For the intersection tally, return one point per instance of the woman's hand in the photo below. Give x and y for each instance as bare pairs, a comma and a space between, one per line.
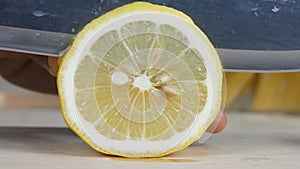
217, 126
28, 71
32, 76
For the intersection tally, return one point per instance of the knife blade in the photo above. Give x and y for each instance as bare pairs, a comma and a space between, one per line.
233, 60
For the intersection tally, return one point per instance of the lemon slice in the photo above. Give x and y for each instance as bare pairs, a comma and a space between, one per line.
140, 81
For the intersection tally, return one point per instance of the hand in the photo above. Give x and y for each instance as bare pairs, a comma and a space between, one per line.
217, 126
18, 69
28, 71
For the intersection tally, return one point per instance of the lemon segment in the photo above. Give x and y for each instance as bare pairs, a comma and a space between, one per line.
140, 81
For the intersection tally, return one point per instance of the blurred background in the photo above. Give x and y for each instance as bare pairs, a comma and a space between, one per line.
263, 92
270, 93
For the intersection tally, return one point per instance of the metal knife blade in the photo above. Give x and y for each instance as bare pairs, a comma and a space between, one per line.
233, 60
34, 41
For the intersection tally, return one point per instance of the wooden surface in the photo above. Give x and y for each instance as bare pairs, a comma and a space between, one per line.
250, 141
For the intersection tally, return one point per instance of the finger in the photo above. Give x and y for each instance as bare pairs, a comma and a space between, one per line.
219, 124
40, 60
53, 65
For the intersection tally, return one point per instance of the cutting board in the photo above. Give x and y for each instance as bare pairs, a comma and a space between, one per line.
249, 141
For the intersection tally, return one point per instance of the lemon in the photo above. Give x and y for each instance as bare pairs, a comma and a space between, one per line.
140, 81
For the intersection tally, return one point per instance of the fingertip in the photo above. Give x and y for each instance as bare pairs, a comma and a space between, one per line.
53, 65
219, 124
222, 124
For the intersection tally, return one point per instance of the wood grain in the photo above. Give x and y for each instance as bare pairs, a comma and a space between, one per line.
250, 141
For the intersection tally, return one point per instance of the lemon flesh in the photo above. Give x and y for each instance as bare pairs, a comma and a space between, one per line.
140, 81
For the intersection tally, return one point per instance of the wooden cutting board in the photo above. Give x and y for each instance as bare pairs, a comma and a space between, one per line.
249, 141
